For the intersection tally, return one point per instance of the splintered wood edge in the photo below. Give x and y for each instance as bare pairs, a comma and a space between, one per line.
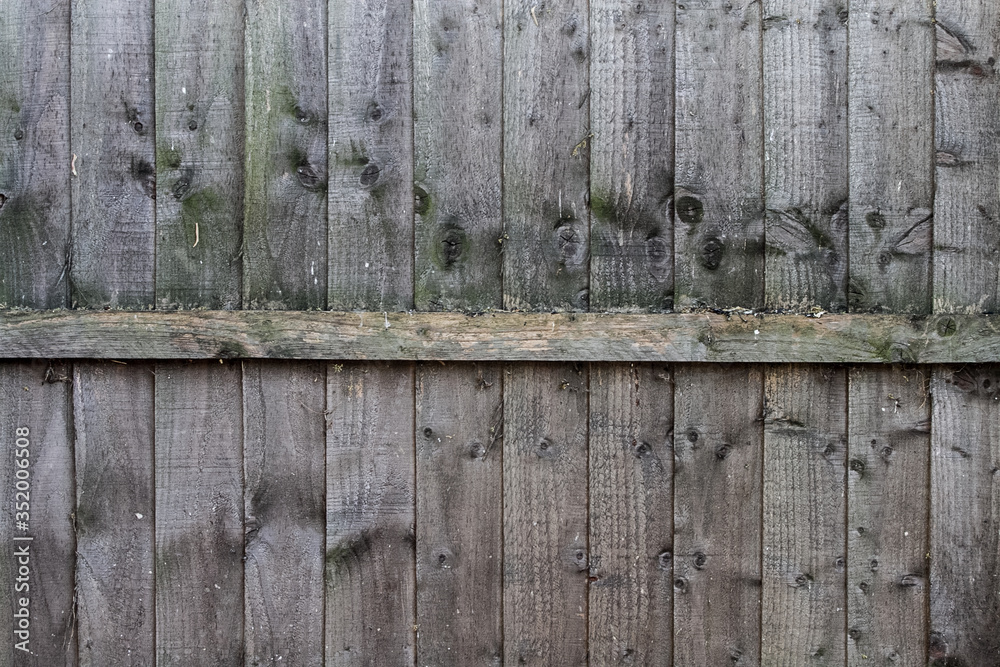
499, 336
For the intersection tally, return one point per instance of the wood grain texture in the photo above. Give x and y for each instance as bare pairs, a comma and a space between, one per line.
888, 489
890, 131
371, 196
967, 172
113, 425
285, 509
199, 514
805, 154
285, 225
545, 514
718, 443
631, 159
113, 139
719, 217
546, 154
34, 153
964, 521
804, 536
370, 585
631, 543
458, 128
459, 440
199, 153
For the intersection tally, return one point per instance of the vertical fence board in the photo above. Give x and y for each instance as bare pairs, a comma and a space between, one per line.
718, 442
199, 514
370, 584
631, 179
546, 155
631, 461
805, 446
113, 141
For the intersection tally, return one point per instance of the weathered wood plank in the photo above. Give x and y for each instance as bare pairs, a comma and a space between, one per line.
35, 160
891, 138
546, 153
805, 154
631, 167
888, 497
631, 541
370, 586
804, 540
285, 227
719, 217
459, 439
199, 153
964, 521
718, 443
545, 514
967, 133
371, 196
285, 509
199, 514
113, 141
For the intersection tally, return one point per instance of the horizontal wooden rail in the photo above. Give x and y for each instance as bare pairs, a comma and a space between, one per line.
500, 336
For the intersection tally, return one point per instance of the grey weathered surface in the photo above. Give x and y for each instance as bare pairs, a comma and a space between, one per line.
199, 514
369, 580
805, 154
631, 156
113, 426
888, 496
964, 523
546, 153
285, 486
718, 206
804, 540
371, 197
35, 157
459, 440
113, 141
890, 133
630, 469
199, 153
718, 443
545, 514
285, 224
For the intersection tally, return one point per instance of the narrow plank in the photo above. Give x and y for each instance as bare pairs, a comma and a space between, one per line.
199, 514
113, 423
113, 140
967, 172
35, 158
964, 521
804, 540
888, 489
631, 525
458, 81
371, 197
546, 155
35, 404
285, 509
545, 514
370, 562
718, 442
719, 217
199, 153
890, 131
631, 168
459, 440
285, 228
805, 154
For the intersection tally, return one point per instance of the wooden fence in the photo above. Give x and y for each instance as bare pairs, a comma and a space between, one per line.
499, 332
